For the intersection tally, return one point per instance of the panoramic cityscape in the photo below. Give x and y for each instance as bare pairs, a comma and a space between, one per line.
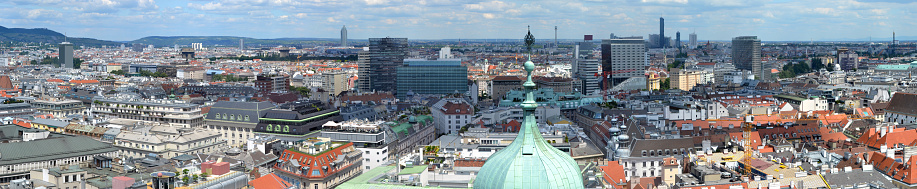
619, 94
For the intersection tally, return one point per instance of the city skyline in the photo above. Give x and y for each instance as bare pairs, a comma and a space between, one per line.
777, 20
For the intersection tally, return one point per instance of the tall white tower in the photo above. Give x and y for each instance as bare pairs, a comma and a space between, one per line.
344, 36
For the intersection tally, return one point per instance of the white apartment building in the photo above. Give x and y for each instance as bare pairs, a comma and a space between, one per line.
450, 115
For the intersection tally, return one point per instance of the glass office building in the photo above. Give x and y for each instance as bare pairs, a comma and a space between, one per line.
431, 77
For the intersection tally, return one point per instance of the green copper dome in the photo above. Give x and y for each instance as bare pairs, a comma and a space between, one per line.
529, 162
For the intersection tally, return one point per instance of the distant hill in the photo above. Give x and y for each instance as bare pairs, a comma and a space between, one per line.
161, 41
44, 35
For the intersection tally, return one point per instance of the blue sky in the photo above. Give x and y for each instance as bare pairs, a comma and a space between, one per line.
771, 20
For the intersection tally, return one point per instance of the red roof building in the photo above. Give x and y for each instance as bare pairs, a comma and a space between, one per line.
333, 164
889, 136
269, 181
613, 173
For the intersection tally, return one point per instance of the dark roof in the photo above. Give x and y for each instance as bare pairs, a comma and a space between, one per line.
661, 144
51, 148
253, 110
903, 103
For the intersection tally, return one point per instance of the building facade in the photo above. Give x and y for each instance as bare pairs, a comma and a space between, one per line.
622, 59
65, 54
172, 112
236, 121
587, 71
503, 84
59, 108
431, 77
451, 115
166, 141
296, 119
746, 55
335, 82
385, 56
847, 59
269, 84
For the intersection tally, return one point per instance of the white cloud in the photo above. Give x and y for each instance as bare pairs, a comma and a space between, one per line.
430, 19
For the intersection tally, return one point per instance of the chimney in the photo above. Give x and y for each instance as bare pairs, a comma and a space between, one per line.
883, 131
44, 174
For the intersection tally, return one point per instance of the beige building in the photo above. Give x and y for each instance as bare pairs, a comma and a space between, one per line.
59, 108
166, 141
67, 176
683, 79
176, 113
335, 82
191, 73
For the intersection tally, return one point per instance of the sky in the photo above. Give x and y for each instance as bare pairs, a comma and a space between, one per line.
770, 20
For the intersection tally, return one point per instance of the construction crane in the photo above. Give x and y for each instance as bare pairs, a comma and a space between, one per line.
748, 126
606, 75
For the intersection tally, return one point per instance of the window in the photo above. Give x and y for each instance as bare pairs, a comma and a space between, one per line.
232, 117
218, 116
246, 117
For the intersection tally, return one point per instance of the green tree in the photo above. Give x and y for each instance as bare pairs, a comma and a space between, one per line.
185, 171
186, 179
304, 91
119, 72
664, 85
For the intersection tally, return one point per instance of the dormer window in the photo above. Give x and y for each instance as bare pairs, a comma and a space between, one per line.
246, 117
232, 117
218, 116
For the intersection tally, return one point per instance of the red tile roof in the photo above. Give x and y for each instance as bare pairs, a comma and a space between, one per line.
875, 139
314, 162
457, 109
613, 173
269, 181
84, 81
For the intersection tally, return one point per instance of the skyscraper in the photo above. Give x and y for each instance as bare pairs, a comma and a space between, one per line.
662, 40
678, 40
692, 40
65, 55
344, 36
746, 55
385, 56
622, 58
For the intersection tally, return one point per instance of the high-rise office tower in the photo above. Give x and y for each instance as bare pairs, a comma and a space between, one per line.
363, 70
344, 36
241, 44
653, 40
65, 55
662, 39
746, 55
197, 46
678, 40
847, 59
622, 58
692, 40
385, 56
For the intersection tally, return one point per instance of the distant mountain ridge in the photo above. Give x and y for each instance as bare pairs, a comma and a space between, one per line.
160, 41
44, 35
